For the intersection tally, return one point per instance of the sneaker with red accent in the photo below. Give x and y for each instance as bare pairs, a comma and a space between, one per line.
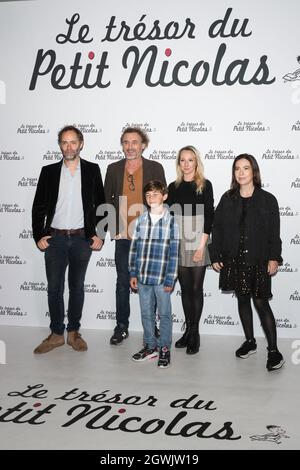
164, 360
145, 354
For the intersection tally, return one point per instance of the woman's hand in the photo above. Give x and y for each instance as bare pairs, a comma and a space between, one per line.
217, 266
272, 267
198, 255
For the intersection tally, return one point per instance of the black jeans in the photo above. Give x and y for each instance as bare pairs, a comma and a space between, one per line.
73, 251
123, 282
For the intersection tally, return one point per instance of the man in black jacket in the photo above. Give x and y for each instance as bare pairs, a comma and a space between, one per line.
64, 227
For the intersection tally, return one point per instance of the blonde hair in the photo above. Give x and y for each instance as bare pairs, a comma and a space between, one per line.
199, 178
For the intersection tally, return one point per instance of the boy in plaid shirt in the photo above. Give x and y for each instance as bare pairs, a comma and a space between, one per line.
153, 262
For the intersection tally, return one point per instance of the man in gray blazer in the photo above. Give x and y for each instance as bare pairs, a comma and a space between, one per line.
124, 183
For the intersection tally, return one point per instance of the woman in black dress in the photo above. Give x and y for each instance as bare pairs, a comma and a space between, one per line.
190, 197
246, 251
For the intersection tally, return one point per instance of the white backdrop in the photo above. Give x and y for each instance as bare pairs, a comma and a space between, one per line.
226, 87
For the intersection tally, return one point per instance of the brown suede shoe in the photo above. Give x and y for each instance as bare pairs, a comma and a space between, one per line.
74, 339
53, 341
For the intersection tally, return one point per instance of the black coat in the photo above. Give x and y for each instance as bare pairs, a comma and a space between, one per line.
46, 195
262, 229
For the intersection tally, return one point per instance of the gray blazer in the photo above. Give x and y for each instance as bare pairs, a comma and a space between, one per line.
113, 186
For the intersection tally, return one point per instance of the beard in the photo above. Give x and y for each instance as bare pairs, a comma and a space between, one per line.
70, 156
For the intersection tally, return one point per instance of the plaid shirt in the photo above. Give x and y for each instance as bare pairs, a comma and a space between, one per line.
153, 256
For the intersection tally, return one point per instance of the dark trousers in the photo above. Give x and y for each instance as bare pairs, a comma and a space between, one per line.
123, 282
73, 251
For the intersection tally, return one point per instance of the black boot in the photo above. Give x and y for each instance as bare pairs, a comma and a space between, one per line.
183, 341
193, 343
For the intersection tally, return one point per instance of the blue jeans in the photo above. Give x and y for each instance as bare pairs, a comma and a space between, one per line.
73, 251
150, 298
123, 282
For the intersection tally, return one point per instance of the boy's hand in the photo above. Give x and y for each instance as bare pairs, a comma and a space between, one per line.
134, 283
168, 289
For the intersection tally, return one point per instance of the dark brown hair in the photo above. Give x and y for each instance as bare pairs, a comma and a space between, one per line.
139, 131
70, 128
156, 185
234, 187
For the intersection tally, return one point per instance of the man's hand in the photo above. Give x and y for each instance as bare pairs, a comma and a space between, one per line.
97, 243
42, 243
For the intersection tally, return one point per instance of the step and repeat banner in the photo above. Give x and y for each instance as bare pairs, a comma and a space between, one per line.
222, 76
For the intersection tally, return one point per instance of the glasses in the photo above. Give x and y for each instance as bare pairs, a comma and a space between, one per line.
131, 182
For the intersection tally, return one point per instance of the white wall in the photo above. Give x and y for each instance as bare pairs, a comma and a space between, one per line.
221, 120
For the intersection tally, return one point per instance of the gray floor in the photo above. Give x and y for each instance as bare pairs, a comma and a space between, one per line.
208, 401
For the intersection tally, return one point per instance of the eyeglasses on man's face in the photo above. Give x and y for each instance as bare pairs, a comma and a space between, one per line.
131, 182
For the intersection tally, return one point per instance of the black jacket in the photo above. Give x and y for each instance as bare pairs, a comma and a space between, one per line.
45, 199
262, 229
